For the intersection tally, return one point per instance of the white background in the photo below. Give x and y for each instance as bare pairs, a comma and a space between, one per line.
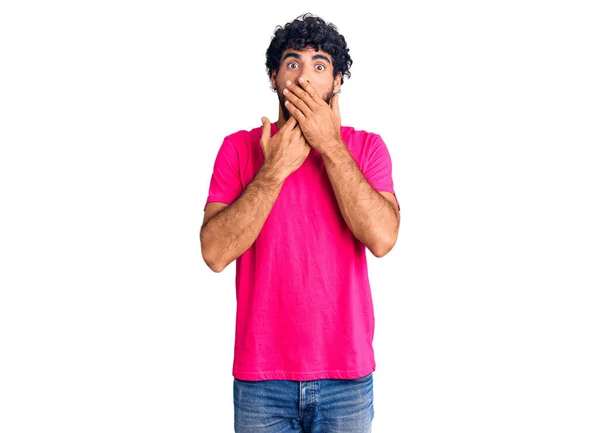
487, 311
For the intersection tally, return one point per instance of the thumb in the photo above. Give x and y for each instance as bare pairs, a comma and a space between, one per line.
266, 129
335, 106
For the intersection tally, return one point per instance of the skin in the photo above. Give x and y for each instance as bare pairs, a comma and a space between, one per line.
318, 71
373, 216
229, 230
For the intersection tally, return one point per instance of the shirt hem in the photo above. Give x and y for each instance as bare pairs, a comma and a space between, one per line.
291, 375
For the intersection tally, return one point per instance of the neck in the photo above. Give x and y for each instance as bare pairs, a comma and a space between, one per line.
281, 121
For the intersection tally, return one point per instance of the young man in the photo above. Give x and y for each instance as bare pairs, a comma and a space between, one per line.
296, 203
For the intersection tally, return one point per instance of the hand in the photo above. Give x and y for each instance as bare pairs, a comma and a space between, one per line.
285, 152
320, 122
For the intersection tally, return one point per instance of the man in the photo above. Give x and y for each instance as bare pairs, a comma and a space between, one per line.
296, 203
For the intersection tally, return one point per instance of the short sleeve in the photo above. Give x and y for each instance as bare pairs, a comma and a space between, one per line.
378, 170
225, 182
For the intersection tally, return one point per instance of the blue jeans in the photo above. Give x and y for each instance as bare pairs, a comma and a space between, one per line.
315, 406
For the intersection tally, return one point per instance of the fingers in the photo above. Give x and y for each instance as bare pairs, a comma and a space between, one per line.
291, 123
292, 135
301, 140
296, 105
295, 130
306, 93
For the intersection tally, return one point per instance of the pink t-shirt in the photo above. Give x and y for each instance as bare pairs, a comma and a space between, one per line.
304, 306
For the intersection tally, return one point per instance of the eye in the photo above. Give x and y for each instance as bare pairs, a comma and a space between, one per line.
291, 63
323, 67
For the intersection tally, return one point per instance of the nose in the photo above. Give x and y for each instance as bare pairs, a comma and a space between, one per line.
300, 72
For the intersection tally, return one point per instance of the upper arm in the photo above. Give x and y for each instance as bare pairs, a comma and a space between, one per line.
211, 209
378, 168
226, 181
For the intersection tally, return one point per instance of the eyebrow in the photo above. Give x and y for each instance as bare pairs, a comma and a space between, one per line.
297, 56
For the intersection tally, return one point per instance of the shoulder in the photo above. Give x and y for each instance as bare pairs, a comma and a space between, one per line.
243, 141
360, 142
242, 136
359, 136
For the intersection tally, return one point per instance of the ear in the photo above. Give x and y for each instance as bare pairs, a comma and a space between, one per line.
273, 79
337, 83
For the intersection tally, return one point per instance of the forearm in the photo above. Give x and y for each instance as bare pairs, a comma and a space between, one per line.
229, 233
367, 213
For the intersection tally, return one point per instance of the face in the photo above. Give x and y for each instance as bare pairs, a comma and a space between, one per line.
315, 66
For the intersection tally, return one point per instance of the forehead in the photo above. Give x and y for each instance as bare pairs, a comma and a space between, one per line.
306, 52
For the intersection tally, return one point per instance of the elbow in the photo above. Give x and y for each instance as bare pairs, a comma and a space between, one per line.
380, 251
386, 243
213, 265
216, 268
209, 256
383, 246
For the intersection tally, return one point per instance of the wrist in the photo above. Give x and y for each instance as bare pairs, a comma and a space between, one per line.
333, 149
272, 173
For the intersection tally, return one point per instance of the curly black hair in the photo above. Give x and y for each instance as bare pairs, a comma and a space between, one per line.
309, 30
